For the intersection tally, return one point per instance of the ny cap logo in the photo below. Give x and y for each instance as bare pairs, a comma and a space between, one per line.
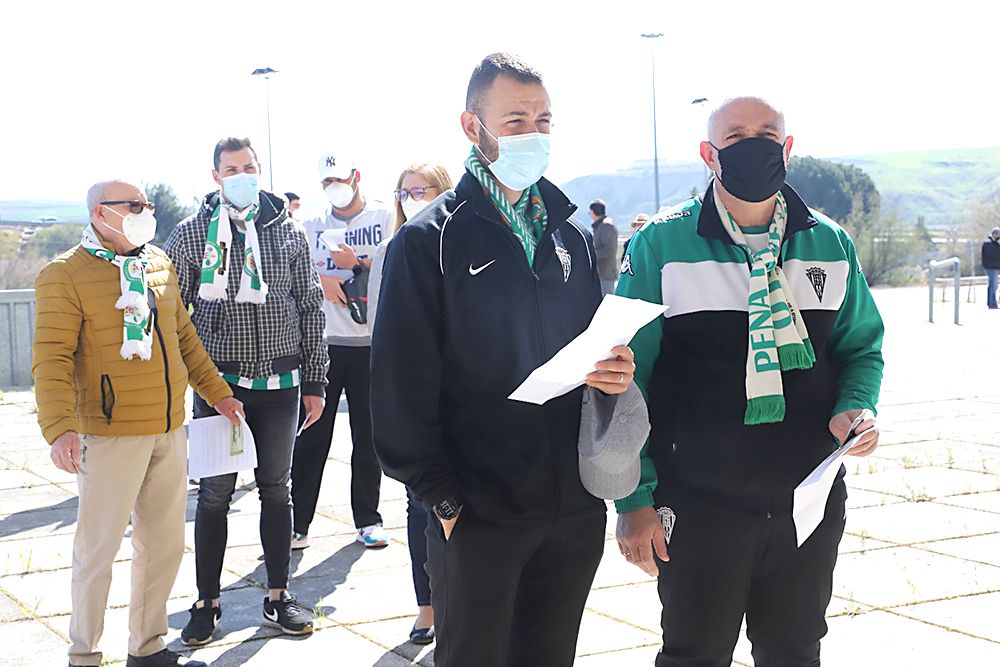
330, 161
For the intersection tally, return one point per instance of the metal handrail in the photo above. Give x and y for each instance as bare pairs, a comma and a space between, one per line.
956, 264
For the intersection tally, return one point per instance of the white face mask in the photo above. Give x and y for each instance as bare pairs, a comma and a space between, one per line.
340, 194
413, 206
138, 229
522, 159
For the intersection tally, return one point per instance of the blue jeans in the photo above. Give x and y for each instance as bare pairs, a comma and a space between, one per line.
417, 519
991, 288
273, 419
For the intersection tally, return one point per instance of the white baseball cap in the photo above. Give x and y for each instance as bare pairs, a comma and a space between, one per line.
613, 430
333, 165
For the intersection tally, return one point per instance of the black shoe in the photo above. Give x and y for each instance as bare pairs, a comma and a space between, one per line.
422, 636
164, 658
204, 621
286, 615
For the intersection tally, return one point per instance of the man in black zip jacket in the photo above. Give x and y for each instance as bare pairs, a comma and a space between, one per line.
479, 289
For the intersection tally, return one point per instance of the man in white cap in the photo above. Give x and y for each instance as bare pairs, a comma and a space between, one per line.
343, 242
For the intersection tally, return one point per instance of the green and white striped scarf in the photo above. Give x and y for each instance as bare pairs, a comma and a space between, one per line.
778, 337
137, 322
215, 264
527, 219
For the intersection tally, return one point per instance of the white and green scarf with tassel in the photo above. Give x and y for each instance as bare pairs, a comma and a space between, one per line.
778, 337
218, 247
137, 320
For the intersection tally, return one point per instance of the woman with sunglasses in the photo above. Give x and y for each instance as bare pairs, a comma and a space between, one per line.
418, 186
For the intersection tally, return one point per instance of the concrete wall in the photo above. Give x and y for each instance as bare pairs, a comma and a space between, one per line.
17, 328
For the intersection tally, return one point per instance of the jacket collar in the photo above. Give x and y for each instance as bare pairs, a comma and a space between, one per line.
557, 205
710, 225
272, 207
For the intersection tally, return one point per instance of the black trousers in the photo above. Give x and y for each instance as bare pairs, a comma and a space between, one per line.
349, 371
417, 519
507, 595
725, 564
272, 417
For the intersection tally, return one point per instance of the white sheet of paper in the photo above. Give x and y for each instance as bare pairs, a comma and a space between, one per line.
210, 441
332, 238
810, 496
615, 323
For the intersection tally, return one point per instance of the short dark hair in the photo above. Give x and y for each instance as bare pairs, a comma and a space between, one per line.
489, 69
598, 207
291, 196
231, 145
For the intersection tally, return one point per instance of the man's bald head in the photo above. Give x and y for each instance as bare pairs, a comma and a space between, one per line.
740, 117
111, 190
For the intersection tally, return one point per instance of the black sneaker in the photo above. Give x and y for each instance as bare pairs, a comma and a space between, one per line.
286, 615
204, 621
164, 658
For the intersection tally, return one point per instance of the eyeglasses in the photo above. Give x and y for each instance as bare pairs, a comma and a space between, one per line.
417, 193
134, 205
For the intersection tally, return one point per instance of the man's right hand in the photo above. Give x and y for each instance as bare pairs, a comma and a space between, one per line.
332, 291
65, 452
639, 533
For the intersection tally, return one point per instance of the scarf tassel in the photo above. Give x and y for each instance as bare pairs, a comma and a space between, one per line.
796, 357
764, 410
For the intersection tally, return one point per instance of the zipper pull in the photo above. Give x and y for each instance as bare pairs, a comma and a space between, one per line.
535, 276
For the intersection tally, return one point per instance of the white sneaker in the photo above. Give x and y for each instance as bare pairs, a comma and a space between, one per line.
373, 537
299, 541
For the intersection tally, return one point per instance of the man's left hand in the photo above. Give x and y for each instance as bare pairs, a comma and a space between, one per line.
314, 409
613, 376
229, 408
840, 427
345, 258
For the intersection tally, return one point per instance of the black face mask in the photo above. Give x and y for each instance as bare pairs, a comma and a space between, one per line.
753, 169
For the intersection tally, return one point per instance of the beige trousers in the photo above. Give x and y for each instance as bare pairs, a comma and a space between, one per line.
141, 476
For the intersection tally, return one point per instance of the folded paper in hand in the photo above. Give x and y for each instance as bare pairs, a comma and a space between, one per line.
332, 238
217, 447
810, 496
616, 322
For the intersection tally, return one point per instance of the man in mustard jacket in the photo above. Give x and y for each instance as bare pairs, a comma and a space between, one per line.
114, 351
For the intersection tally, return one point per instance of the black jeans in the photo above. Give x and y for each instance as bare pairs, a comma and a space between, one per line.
725, 564
273, 418
349, 371
417, 518
511, 595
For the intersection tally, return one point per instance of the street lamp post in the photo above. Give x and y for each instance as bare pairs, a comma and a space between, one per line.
266, 72
656, 155
699, 102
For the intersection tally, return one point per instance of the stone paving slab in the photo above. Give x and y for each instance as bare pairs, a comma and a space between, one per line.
918, 580
915, 522
975, 615
904, 575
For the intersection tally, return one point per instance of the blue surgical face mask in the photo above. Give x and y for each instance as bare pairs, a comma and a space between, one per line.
522, 159
241, 190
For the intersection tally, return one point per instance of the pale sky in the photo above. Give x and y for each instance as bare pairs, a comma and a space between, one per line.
145, 89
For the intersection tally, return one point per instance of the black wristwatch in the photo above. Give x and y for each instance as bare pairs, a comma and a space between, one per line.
448, 509
358, 269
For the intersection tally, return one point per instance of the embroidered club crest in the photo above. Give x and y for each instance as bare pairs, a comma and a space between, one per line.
249, 264
817, 277
566, 260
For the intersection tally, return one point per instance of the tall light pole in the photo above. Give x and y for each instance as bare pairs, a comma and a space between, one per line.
656, 155
266, 72
698, 102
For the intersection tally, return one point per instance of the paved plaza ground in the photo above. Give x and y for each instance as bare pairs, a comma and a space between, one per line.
917, 583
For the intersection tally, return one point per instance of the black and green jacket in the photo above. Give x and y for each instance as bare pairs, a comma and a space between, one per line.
691, 363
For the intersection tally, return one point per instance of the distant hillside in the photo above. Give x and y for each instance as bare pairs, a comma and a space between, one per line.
938, 185
30, 210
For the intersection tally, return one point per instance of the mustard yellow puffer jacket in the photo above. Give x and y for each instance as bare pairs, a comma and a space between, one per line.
82, 383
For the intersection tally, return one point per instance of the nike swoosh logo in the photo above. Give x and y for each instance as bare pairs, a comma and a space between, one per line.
273, 619
475, 272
